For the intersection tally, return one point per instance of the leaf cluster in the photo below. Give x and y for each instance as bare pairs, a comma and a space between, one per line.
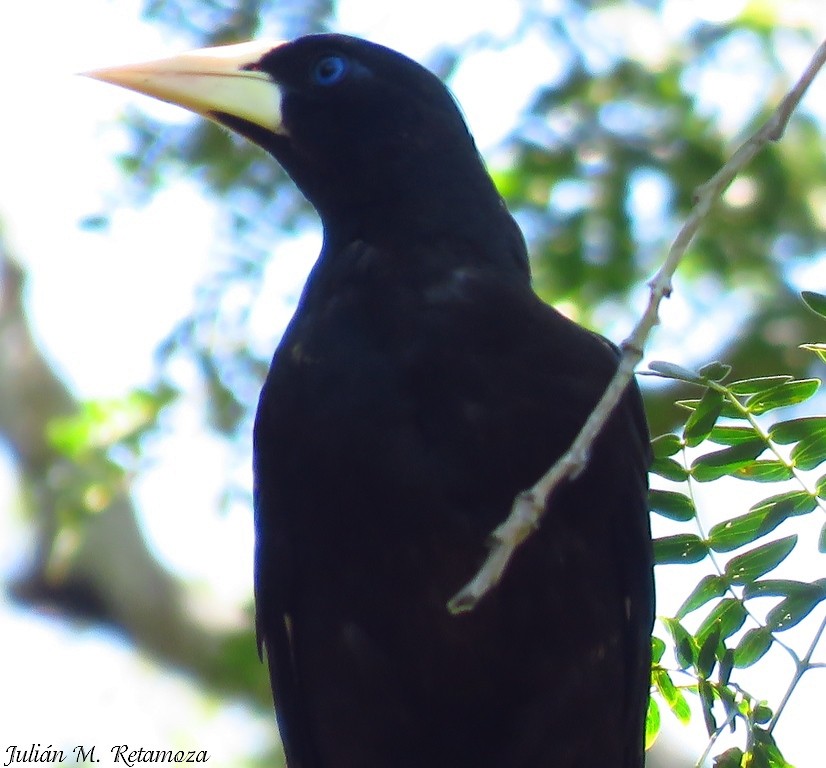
732, 429
103, 443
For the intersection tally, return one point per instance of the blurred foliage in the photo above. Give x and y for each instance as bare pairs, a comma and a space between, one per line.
725, 433
102, 443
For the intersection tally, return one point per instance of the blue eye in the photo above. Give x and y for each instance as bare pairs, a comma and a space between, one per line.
329, 70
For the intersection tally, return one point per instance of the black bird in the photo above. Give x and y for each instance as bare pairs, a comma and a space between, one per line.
419, 387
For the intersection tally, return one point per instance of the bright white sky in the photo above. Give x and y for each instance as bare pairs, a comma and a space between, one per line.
99, 308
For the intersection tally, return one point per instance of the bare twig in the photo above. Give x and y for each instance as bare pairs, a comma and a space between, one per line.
531, 504
801, 667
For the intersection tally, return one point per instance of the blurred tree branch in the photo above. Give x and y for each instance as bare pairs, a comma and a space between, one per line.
101, 570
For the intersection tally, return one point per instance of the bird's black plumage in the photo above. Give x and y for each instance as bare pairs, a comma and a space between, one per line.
419, 387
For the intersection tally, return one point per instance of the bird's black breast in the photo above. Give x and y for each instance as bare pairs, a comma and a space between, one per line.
399, 420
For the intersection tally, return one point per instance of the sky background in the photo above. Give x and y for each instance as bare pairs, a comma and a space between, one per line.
100, 302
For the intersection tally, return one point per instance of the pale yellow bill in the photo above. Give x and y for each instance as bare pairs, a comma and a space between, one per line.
207, 81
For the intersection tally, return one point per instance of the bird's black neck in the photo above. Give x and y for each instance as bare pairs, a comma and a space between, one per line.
440, 206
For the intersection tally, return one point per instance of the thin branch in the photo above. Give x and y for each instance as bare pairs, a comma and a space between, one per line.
531, 504
803, 666
718, 732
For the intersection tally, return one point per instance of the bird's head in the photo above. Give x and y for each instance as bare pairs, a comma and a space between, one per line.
365, 132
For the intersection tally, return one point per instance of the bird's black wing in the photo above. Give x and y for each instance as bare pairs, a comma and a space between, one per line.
273, 583
393, 433
545, 375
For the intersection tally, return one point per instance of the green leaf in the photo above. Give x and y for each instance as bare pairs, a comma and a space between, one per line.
756, 758
762, 714
707, 656
652, 722
726, 667
669, 469
733, 410
810, 452
761, 519
764, 471
778, 588
818, 349
815, 301
753, 386
714, 465
707, 701
753, 564
737, 532
680, 548
685, 647
672, 695
657, 649
791, 393
729, 409
791, 503
787, 432
731, 758
820, 487
764, 749
752, 647
703, 418
715, 371
777, 509
708, 588
731, 435
821, 540
730, 703
725, 619
666, 445
793, 609
673, 505
672, 371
